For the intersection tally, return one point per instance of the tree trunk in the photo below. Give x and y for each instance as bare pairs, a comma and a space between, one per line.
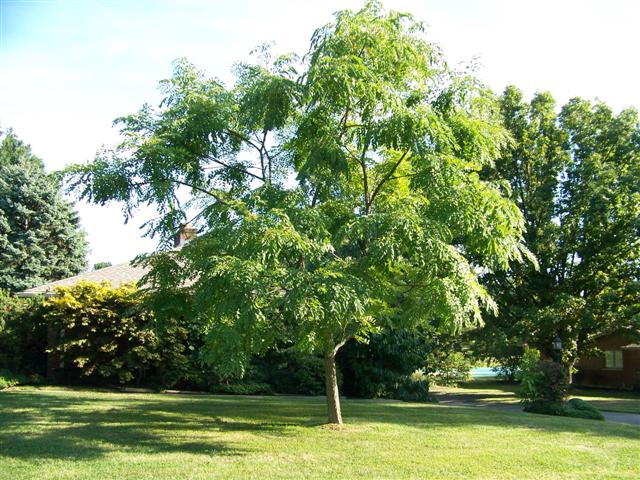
570, 366
331, 381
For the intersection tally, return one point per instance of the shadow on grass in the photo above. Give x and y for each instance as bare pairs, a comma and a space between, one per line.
66, 425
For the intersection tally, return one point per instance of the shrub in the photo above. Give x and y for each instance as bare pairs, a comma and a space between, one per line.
6, 382
378, 368
449, 368
575, 407
382, 367
8, 379
178, 358
528, 373
102, 333
507, 371
244, 388
413, 388
554, 382
22, 335
541, 381
544, 386
106, 334
290, 372
545, 408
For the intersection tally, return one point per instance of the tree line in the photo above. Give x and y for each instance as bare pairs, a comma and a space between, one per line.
366, 187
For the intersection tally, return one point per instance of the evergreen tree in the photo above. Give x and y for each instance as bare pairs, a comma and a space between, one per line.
101, 265
40, 235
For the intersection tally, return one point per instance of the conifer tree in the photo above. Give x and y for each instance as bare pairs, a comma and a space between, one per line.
40, 235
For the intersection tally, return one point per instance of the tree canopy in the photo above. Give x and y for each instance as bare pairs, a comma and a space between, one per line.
335, 193
40, 235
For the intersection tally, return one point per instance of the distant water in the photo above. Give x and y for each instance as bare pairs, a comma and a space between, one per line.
483, 372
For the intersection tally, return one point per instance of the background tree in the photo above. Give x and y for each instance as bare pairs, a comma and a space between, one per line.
382, 366
576, 178
101, 265
40, 235
335, 194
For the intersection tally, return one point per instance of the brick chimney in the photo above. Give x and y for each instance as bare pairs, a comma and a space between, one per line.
186, 233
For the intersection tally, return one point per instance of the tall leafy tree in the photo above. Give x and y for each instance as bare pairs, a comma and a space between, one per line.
40, 235
576, 177
335, 193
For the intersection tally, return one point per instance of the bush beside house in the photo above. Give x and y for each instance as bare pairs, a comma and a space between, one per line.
93, 334
104, 334
23, 337
544, 389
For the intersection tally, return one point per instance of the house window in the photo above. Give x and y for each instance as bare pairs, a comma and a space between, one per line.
613, 359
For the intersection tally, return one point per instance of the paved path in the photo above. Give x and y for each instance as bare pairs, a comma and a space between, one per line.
631, 418
471, 400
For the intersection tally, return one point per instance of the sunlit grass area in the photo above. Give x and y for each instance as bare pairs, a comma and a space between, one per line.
61, 433
489, 392
610, 400
482, 391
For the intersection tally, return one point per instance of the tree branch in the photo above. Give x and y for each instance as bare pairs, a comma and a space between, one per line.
186, 184
266, 154
341, 344
365, 179
242, 137
387, 177
243, 170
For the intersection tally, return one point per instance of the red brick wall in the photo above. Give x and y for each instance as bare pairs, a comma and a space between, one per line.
592, 371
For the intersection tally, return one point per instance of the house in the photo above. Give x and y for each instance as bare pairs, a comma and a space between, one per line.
115, 275
618, 365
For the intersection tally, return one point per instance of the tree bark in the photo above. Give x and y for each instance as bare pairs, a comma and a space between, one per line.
570, 366
331, 381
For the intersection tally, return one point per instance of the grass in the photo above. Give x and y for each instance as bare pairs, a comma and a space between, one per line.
492, 391
482, 391
49, 433
609, 400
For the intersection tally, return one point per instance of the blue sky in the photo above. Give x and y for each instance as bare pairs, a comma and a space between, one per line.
68, 68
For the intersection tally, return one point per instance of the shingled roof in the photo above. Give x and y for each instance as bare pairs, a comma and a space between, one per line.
116, 275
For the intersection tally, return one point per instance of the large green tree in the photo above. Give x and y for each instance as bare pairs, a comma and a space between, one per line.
576, 177
40, 235
335, 193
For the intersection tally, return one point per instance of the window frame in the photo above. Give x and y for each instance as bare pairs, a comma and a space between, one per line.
613, 360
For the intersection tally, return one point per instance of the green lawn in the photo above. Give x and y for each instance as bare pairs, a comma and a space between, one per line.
492, 391
611, 401
482, 391
59, 433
